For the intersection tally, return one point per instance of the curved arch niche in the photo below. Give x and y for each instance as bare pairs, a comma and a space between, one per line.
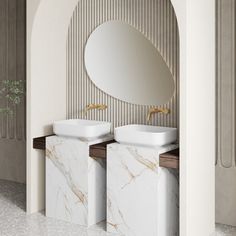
46, 101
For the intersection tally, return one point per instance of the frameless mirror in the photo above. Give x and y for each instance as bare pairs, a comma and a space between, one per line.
123, 63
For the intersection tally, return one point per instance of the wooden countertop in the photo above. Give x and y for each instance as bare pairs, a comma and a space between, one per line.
99, 150
170, 159
167, 160
40, 142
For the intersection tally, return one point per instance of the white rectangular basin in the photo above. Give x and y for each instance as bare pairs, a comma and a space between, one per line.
88, 129
145, 135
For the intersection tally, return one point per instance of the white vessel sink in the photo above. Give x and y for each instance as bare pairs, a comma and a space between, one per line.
77, 128
145, 135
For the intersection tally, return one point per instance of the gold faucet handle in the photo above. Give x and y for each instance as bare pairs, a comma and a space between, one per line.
165, 111
90, 106
102, 106
157, 110
94, 106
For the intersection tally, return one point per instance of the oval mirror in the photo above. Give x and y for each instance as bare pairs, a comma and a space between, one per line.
123, 63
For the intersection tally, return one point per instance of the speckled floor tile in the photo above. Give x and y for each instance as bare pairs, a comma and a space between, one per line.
225, 230
15, 222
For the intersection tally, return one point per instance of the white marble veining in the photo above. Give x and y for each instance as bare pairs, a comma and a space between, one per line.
142, 198
75, 183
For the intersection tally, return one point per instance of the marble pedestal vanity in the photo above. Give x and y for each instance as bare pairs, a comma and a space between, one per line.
125, 185
130, 189
142, 197
75, 182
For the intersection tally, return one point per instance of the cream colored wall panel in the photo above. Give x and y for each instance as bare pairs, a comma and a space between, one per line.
197, 119
156, 20
46, 75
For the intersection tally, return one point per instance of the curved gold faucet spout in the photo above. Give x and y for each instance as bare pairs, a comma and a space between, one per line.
93, 107
156, 110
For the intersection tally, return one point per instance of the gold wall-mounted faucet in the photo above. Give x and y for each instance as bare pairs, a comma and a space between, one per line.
157, 110
93, 107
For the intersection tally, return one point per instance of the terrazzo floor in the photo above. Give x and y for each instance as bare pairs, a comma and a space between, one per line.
15, 222
225, 230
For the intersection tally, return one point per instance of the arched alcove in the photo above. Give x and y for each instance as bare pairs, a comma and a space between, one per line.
46, 99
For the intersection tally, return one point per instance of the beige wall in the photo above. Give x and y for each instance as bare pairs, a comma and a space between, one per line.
47, 26
226, 159
157, 21
200, 118
32, 6
196, 21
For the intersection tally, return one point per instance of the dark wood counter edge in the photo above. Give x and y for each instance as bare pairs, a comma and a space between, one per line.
40, 142
167, 160
99, 150
170, 159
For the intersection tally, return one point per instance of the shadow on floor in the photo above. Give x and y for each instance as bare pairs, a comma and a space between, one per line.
13, 193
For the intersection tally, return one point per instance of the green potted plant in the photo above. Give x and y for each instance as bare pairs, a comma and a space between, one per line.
13, 91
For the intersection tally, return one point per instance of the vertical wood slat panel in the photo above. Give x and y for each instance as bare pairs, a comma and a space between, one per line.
20, 129
13, 63
225, 115
11, 56
156, 20
226, 83
3, 60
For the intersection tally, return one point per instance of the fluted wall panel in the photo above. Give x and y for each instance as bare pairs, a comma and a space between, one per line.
13, 67
156, 20
226, 129
226, 90
12, 63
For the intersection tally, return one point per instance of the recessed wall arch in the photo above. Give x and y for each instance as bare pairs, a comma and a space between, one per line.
196, 21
